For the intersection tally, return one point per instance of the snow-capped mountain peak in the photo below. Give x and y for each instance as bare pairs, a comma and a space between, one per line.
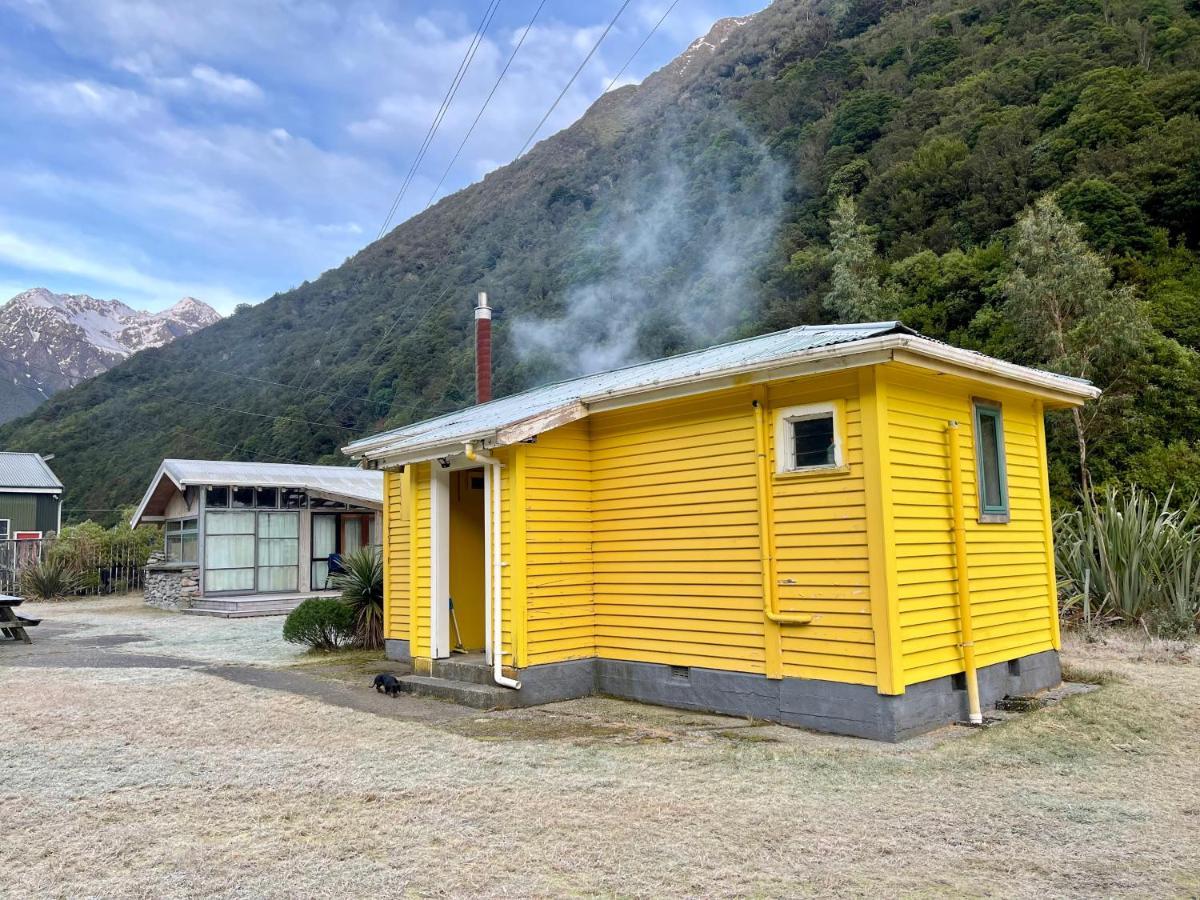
52, 341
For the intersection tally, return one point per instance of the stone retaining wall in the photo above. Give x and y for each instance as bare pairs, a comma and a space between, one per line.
171, 585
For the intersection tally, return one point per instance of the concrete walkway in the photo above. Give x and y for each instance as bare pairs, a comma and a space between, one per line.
121, 633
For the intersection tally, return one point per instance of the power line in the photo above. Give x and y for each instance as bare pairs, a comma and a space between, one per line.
433, 307
451, 91
640, 47
567, 86
246, 412
491, 94
455, 84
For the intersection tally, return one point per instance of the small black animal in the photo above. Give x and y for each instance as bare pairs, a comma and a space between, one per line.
387, 684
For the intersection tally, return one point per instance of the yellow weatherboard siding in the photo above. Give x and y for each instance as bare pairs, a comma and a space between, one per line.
560, 617
635, 535
821, 559
396, 600
1010, 564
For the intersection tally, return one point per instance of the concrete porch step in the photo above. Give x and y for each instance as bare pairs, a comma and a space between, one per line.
471, 669
464, 693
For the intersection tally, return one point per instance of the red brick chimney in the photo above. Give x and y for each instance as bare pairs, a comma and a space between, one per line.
483, 350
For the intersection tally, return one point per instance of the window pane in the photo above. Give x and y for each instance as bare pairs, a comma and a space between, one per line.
291, 498
229, 580
278, 525
324, 536
813, 442
266, 498
174, 547
217, 497
243, 498
190, 548
989, 445
229, 523
229, 551
277, 579
278, 552
320, 570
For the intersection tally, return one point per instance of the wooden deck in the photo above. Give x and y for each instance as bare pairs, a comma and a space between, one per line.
245, 606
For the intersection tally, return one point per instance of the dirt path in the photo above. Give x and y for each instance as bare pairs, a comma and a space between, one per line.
165, 776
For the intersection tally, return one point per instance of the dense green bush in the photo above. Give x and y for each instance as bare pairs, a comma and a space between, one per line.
1132, 559
321, 623
49, 580
362, 591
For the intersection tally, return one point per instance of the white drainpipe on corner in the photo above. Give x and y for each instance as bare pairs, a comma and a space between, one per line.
494, 541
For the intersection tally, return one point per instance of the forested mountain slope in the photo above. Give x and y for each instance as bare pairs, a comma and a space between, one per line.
696, 207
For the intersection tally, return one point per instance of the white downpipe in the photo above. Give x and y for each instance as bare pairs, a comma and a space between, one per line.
495, 546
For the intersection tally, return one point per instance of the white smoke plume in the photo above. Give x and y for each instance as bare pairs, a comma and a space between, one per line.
676, 263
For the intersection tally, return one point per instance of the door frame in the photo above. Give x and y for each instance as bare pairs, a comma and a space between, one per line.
439, 556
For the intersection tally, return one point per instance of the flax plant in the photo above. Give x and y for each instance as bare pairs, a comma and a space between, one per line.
362, 591
1130, 558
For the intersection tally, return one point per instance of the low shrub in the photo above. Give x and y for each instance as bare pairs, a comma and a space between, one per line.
52, 579
321, 623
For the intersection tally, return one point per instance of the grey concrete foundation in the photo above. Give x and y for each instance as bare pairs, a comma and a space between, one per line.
397, 650
857, 710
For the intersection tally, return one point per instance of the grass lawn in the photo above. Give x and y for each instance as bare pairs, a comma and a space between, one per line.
174, 781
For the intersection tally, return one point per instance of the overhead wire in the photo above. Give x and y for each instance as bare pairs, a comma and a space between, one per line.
567, 86
464, 230
486, 102
456, 82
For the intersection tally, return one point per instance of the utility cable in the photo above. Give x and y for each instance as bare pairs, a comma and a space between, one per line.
482, 109
567, 87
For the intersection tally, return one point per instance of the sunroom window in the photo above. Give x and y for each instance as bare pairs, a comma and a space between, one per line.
181, 542
990, 462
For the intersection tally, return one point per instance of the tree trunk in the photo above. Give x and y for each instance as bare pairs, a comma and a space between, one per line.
1085, 478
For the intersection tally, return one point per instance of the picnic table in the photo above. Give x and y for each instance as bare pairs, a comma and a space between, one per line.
11, 625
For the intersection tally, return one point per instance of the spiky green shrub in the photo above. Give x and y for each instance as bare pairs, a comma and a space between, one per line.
1131, 558
51, 579
320, 623
362, 591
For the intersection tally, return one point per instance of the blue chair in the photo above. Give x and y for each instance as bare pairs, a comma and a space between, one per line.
335, 567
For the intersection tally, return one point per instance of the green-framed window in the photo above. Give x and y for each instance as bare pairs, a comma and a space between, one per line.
990, 462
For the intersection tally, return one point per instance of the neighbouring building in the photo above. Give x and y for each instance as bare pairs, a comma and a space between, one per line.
30, 497
841, 527
250, 538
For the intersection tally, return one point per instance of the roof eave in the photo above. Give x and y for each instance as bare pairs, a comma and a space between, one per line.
1057, 390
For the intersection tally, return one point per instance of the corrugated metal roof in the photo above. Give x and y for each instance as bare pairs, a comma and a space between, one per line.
26, 470
342, 481
756, 352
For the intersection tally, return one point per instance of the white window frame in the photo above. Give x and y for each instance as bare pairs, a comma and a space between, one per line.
7, 534
785, 440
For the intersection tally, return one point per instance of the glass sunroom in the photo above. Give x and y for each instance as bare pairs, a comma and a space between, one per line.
258, 528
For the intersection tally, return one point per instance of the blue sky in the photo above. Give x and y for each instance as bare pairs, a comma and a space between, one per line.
230, 149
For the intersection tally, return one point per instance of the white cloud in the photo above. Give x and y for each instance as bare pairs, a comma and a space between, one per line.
226, 84
45, 257
85, 99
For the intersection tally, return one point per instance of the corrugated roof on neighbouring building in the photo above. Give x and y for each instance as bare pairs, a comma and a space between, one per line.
26, 470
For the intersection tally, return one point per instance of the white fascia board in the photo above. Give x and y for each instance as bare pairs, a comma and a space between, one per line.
158, 476
31, 490
1047, 385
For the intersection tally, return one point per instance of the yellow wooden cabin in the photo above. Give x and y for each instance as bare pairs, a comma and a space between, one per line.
840, 527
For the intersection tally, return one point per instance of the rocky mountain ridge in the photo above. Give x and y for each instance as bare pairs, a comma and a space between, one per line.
50, 342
